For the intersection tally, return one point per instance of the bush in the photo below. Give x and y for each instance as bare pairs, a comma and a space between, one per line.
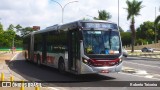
141, 41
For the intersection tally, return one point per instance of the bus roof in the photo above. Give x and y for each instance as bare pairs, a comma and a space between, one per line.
96, 21
69, 25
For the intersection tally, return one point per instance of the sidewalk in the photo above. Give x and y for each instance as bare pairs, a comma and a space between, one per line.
6, 57
154, 55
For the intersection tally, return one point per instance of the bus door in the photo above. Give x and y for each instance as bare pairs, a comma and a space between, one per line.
74, 50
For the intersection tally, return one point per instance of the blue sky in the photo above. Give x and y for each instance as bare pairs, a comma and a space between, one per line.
46, 13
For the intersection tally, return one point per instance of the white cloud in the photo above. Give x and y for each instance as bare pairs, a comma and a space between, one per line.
45, 12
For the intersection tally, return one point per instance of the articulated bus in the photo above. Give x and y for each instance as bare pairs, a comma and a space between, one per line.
80, 47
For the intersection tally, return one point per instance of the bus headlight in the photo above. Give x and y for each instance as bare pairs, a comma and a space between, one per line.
84, 60
120, 60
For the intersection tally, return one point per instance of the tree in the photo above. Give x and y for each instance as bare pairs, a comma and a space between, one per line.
157, 20
18, 38
141, 41
11, 27
18, 27
150, 34
133, 9
120, 29
146, 31
25, 31
1, 27
1, 30
157, 26
18, 41
1, 35
103, 15
85, 18
143, 29
126, 38
7, 38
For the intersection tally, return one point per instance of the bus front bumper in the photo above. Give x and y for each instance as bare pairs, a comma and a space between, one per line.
108, 69
105, 69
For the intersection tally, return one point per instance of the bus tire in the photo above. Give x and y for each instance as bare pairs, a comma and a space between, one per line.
38, 60
61, 66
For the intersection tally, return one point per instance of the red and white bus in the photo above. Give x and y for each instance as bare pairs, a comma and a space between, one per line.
80, 47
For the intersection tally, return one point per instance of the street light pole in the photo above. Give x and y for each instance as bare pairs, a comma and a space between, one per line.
118, 13
62, 7
155, 27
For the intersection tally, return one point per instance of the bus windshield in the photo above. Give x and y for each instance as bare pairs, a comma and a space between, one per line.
101, 42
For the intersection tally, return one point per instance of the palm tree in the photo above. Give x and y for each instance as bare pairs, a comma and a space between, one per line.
133, 10
157, 20
103, 15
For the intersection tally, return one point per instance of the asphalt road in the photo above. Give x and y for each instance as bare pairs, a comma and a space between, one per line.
32, 72
151, 66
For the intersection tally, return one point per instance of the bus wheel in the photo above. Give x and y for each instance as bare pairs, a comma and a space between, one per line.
61, 66
38, 60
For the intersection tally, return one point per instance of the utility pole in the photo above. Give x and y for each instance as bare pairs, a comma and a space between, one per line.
118, 13
155, 28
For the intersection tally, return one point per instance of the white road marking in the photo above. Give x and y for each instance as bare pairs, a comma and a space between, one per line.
157, 75
149, 76
138, 75
141, 72
52, 88
144, 65
14, 56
